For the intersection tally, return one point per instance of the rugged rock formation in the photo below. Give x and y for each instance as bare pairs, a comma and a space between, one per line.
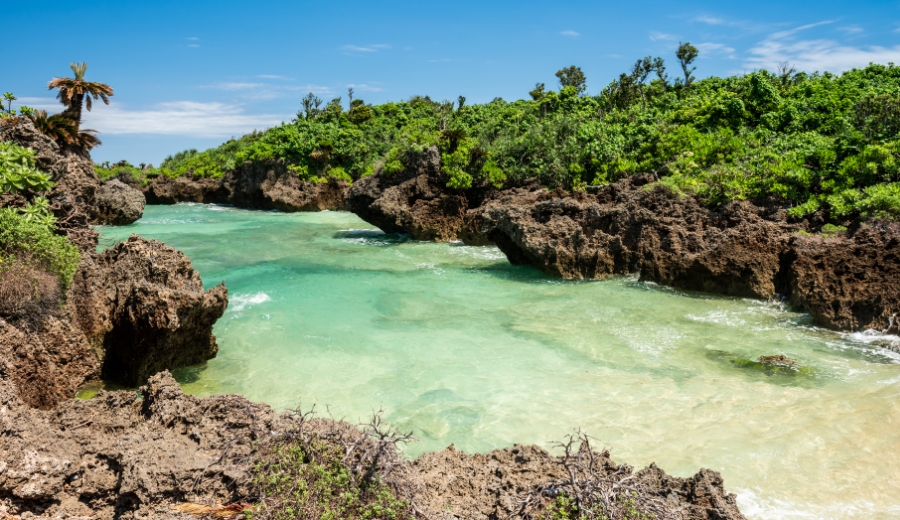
74, 175
118, 204
116, 456
849, 282
46, 364
166, 190
634, 226
143, 308
418, 202
265, 185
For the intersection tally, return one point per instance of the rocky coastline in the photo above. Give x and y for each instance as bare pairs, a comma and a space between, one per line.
138, 309
259, 185
847, 280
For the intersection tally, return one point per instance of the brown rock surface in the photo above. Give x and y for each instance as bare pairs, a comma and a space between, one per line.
418, 202
116, 456
73, 174
264, 185
143, 308
118, 204
848, 282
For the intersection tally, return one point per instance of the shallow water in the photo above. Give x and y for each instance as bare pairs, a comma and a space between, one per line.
463, 348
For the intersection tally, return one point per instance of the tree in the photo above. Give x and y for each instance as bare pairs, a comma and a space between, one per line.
311, 104
462, 102
350, 95
9, 98
686, 55
73, 93
572, 77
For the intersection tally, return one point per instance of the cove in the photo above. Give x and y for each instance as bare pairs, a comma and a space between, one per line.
461, 347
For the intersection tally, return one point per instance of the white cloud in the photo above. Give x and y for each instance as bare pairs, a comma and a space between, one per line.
272, 76
816, 54
178, 118
711, 20
658, 36
573, 34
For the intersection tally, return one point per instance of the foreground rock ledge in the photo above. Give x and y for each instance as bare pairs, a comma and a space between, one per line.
117, 456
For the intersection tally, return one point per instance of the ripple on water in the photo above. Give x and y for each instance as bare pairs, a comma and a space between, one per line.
460, 346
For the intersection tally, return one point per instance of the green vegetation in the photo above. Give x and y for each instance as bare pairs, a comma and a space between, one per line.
811, 142
24, 237
18, 171
314, 482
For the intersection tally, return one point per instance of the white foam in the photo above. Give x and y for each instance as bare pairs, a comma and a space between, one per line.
756, 507
239, 302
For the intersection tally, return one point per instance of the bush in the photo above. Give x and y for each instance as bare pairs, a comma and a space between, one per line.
32, 242
18, 171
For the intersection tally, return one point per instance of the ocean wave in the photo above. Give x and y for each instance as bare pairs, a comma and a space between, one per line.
239, 302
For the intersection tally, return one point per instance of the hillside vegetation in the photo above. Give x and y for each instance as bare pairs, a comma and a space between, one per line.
808, 141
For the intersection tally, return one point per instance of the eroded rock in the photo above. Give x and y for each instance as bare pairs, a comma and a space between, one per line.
118, 204
143, 308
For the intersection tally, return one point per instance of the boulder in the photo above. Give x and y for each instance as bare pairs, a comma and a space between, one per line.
143, 308
118, 204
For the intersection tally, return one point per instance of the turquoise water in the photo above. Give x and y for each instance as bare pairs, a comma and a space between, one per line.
461, 347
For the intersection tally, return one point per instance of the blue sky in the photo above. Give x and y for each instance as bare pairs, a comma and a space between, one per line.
191, 74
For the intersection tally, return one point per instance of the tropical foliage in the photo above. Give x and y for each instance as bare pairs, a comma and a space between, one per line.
76, 93
815, 142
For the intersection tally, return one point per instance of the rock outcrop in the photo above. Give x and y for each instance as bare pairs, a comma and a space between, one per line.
74, 177
142, 307
118, 204
418, 202
117, 456
847, 282
261, 185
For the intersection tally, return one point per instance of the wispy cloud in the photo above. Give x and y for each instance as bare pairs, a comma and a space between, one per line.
711, 20
192, 38
230, 85
362, 87
816, 54
850, 30
571, 34
194, 45
366, 49
272, 76
716, 48
659, 36
178, 118
790, 32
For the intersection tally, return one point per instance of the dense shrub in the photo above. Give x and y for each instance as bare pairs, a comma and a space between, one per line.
814, 142
32, 242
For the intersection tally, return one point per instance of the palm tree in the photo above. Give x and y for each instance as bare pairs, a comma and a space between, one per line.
73, 93
61, 129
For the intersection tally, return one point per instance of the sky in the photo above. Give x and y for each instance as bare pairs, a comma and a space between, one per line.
192, 74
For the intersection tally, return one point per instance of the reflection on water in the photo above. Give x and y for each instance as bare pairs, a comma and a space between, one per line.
462, 347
